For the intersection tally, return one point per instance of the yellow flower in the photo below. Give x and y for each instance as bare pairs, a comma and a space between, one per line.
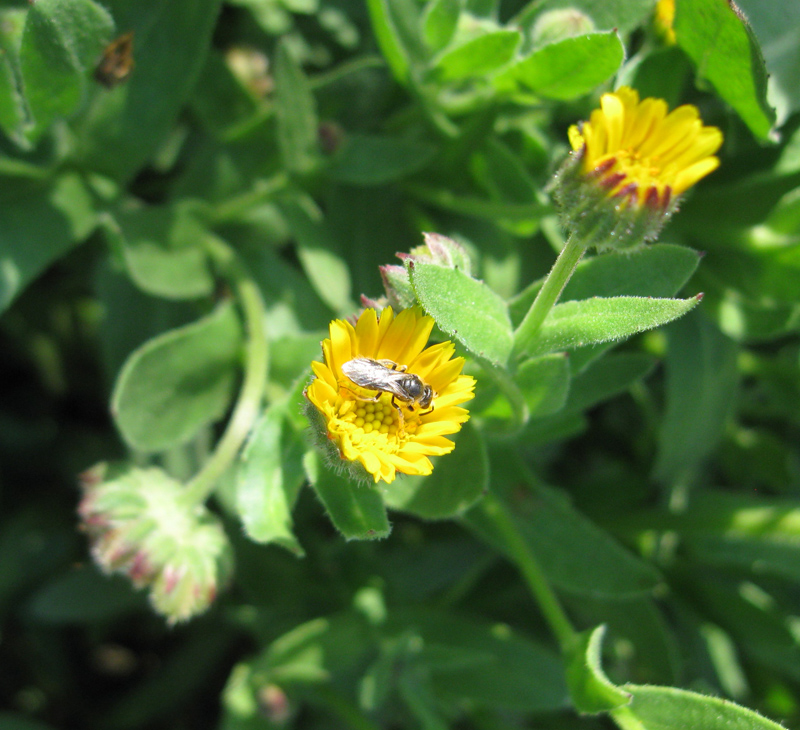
368, 428
640, 153
663, 20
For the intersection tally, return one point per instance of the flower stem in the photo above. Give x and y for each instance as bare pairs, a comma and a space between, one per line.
532, 572
248, 405
548, 295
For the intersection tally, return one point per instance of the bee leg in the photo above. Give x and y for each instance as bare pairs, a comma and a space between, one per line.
402, 420
425, 413
392, 365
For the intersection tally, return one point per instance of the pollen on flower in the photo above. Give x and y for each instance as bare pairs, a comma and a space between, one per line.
378, 428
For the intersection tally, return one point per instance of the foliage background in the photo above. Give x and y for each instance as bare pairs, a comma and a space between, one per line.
674, 460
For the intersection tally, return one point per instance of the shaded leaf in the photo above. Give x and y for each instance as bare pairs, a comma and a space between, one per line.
178, 382
356, 510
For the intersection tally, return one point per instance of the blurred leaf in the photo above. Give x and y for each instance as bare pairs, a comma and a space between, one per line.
296, 115
478, 57
40, 224
777, 27
61, 43
575, 554
170, 45
373, 160
606, 377
356, 510
318, 252
590, 321
659, 270
701, 386
622, 15
184, 671
589, 687
14, 113
667, 708
464, 308
566, 69
394, 24
268, 479
726, 52
458, 480
84, 596
487, 664
163, 251
440, 21
178, 382
758, 534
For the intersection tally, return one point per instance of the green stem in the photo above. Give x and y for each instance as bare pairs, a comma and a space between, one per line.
549, 293
531, 571
262, 190
248, 405
345, 69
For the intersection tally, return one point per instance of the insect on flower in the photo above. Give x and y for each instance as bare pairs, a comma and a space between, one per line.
386, 376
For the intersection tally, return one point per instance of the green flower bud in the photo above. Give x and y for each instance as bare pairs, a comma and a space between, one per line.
139, 524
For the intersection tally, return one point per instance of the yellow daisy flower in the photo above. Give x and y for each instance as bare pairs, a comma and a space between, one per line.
640, 153
376, 433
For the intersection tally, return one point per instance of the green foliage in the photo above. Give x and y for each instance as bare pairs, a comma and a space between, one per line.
613, 538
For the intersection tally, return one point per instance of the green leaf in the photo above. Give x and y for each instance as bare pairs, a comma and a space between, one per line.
459, 479
439, 22
606, 378
170, 44
566, 69
318, 252
590, 321
478, 57
394, 34
589, 687
14, 113
623, 15
372, 160
61, 42
575, 554
757, 534
163, 251
356, 510
658, 270
726, 52
777, 27
296, 114
464, 308
268, 481
667, 708
544, 382
702, 381
178, 382
40, 224
472, 661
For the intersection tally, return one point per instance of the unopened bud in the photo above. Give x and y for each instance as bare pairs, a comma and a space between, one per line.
140, 525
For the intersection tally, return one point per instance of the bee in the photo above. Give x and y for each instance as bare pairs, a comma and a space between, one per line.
386, 376
117, 62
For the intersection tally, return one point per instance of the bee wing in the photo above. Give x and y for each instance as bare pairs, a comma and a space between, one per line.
373, 375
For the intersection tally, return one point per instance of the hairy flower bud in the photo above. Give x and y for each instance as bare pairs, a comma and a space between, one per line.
140, 525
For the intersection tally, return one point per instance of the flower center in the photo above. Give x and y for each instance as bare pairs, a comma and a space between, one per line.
380, 421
